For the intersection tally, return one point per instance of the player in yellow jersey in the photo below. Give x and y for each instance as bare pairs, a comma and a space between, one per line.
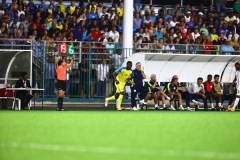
121, 76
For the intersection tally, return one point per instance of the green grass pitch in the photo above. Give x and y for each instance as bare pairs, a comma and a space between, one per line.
103, 135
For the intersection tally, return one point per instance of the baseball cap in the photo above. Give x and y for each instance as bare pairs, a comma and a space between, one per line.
200, 13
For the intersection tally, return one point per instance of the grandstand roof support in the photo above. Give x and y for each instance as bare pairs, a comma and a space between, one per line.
128, 27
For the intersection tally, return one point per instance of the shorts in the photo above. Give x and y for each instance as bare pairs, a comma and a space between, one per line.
120, 87
61, 85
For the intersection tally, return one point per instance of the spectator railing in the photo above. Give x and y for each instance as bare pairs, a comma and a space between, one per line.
83, 76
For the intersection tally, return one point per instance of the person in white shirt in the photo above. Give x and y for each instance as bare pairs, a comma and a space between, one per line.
237, 81
103, 76
170, 48
114, 34
198, 92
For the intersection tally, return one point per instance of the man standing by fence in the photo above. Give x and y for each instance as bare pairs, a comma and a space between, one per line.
103, 77
137, 86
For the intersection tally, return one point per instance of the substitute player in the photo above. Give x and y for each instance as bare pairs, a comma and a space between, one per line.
121, 76
237, 81
61, 81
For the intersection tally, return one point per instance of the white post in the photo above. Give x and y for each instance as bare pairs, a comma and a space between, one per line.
128, 28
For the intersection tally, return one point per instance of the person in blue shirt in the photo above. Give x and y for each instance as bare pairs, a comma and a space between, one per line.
227, 49
158, 33
92, 14
137, 86
49, 76
78, 33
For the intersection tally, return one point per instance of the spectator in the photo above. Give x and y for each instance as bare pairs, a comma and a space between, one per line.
103, 77
92, 14
49, 76
236, 6
137, 22
170, 48
213, 36
32, 7
153, 16
227, 49
63, 7
158, 33
120, 10
96, 34
207, 45
58, 11
137, 5
114, 34
92, 7
4, 4
220, 5
78, 34
222, 39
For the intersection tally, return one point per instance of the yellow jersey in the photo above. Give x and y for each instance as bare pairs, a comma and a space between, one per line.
123, 74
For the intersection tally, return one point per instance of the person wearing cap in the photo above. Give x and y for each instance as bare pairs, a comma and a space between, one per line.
187, 17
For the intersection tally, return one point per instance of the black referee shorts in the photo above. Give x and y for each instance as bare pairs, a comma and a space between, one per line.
61, 85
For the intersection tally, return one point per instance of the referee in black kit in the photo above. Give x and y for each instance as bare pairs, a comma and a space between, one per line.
137, 85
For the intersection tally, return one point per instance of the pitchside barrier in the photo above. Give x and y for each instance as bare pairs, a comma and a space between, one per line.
82, 77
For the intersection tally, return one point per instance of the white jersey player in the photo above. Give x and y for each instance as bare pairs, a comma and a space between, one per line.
237, 81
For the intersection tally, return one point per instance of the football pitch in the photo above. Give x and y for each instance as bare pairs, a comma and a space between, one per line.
103, 135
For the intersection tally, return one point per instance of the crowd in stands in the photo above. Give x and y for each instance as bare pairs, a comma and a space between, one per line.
201, 28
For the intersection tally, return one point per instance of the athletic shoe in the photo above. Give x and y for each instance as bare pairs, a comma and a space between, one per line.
165, 108
141, 101
168, 98
138, 108
223, 109
157, 108
106, 102
197, 108
119, 109
189, 109
229, 108
232, 109
63, 109
181, 107
172, 108
213, 109
197, 102
58, 109
134, 109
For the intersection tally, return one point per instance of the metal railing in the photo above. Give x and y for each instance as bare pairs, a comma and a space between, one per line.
84, 77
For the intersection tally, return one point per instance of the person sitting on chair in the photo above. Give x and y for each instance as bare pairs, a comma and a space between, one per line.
23, 95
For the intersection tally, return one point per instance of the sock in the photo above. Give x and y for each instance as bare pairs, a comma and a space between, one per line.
212, 105
119, 101
181, 106
111, 98
236, 103
164, 105
156, 105
219, 105
60, 102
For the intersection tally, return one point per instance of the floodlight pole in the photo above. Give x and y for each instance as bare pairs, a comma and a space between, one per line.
128, 28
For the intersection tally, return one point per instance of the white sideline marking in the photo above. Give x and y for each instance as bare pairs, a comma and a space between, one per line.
115, 150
